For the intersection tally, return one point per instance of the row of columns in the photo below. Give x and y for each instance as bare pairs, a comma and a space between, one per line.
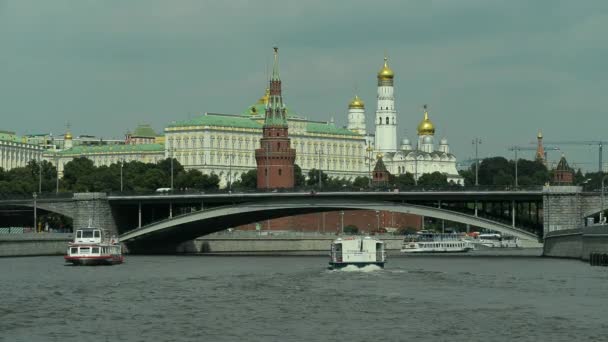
13, 155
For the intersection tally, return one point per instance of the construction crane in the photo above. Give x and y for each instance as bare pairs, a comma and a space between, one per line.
528, 148
599, 143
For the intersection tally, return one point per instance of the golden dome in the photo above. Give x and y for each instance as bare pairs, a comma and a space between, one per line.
540, 134
356, 103
386, 73
426, 127
68, 136
264, 99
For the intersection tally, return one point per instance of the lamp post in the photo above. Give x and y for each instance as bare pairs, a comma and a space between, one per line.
320, 167
230, 156
121, 182
476, 142
369, 164
342, 222
516, 184
171, 156
56, 174
35, 195
40, 177
602, 201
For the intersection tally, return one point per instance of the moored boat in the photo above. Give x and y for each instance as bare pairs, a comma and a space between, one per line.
494, 240
94, 246
429, 242
357, 251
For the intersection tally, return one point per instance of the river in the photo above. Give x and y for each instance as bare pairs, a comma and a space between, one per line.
223, 298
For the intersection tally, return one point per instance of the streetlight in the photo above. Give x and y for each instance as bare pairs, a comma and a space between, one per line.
121, 182
476, 142
40, 177
320, 167
230, 156
516, 184
171, 156
56, 174
35, 195
602, 201
369, 164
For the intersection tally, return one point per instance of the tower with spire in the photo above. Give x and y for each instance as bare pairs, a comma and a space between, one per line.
540, 149
356, 116
386, 115
426, 133
275, 158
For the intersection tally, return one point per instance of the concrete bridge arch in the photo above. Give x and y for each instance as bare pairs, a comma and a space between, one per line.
190, 226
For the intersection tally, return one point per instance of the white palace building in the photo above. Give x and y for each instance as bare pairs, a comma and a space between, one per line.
225, 144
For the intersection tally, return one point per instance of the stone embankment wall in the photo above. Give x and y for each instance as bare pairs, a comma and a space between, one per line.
34, 244
287, 243
576, 243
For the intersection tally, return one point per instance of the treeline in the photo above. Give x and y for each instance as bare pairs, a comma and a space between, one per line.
500, 172
81, 175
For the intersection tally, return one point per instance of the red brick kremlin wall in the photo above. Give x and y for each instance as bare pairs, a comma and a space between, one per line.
365, 220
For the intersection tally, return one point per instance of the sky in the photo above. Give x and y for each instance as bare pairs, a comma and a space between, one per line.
489, 69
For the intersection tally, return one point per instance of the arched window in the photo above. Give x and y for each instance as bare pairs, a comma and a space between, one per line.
380, 121
387, 120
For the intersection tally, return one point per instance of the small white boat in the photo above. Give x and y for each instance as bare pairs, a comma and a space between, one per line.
94, 246
357, 251
495, 241
429, 242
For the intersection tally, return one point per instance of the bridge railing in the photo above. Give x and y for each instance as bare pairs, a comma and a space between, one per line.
42, 195
316, 190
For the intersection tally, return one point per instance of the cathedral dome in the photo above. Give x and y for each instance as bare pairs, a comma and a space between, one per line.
356, 103
427, 140
426, 127
405, 141
386, 73
68, 136
444, 141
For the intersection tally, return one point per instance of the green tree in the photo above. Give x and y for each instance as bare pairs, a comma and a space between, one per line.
361, 182
489, 168
404, 180
351, 229
248, 181
299, 178
435, 179
313, 177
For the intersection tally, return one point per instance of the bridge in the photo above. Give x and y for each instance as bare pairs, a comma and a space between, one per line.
148, 222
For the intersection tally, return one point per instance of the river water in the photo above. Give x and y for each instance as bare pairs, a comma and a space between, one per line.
215, 298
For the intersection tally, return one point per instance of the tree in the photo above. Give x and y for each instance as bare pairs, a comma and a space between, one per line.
491, 167
404, 180
248, 181
434, 180
361, 182
298, 178
351, 229
78, 174
313, 177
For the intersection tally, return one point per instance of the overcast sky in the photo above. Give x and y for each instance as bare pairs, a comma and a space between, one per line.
497, 70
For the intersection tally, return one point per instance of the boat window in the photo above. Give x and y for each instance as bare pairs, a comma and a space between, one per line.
95, 250
84, 250
87, 234
96, 233
74, 250
79, 234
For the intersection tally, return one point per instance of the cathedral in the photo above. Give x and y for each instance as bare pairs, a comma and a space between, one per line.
423, 157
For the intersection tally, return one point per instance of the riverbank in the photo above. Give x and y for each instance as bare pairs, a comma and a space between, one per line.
34, 244
576, 243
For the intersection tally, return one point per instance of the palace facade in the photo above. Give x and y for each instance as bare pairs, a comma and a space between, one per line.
16, 152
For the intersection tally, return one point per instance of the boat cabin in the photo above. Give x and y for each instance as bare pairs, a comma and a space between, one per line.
88, 235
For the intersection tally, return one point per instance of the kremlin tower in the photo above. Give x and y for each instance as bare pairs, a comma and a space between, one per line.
356, 116
426, 133
540, 149
275, 158
386, 116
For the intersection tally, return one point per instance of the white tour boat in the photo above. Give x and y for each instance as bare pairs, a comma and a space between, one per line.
495, 241
429, 242
357, 251
94, 246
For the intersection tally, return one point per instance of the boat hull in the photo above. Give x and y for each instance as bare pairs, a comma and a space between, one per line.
94, 261
339, 265
424, 250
